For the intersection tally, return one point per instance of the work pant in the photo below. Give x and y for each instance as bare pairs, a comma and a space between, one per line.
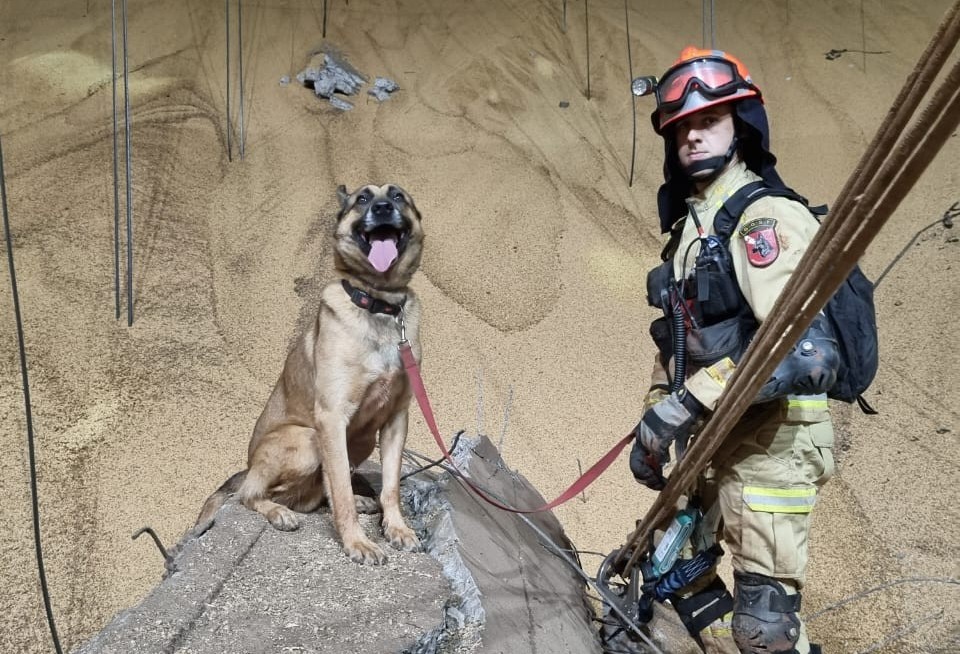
766, 478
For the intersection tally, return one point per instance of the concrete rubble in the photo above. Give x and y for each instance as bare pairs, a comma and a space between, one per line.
484, 584
331, 76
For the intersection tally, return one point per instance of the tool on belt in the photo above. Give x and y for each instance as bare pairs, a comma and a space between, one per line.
661, 573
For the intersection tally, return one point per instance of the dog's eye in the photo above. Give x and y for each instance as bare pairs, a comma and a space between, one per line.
398, 197
363, 199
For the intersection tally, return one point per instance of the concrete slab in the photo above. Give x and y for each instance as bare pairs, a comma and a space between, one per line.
485, 584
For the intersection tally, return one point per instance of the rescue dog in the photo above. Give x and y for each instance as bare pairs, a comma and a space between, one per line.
343, 383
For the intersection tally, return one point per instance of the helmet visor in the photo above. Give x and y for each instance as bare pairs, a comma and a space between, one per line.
711, 77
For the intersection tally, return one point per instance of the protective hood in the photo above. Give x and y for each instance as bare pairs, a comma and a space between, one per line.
753, 134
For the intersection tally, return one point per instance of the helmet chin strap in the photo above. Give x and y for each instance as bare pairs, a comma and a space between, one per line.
706, 170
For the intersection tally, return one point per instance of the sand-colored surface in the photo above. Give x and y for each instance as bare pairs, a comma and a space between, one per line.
532, 278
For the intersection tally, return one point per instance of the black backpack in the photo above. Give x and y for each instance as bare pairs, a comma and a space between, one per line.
850, 311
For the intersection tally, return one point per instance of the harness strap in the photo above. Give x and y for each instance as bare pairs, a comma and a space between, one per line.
778, 602
713, 602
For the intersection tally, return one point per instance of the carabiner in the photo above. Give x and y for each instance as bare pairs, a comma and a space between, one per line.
403, 327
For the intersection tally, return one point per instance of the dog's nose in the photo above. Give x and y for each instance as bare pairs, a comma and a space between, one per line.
382, 209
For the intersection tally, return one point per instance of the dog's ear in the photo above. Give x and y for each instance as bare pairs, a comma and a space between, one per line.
343, 196
413, 207
416, 212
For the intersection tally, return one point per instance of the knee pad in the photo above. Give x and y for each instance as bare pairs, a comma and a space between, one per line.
707, 606
765, 619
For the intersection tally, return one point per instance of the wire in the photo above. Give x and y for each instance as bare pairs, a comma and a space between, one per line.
586, 18
946, 221
226, 9
116, 169
240, 71
34, 494
900, 633
875, 589
129, 164
556, 550
432, 464
633, 98
156, 540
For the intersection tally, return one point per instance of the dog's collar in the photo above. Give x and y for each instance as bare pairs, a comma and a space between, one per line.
370, 303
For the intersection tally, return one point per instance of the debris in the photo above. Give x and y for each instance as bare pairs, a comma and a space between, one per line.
284, 80
836, 54
383, 87
950, 214
329, 73
340, 103
564, 104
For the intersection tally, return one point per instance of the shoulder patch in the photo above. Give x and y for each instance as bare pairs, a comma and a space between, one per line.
760, 237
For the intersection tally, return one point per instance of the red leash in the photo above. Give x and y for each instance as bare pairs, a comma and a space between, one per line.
416, 381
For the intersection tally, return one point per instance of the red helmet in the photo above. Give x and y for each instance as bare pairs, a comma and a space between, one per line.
698, 79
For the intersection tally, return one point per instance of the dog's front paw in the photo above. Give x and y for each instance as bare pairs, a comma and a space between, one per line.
364, 551
402, 538
283, 518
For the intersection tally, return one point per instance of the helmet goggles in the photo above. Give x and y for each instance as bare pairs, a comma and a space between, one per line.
713, 77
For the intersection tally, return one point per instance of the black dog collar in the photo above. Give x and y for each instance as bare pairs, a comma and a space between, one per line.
370, 303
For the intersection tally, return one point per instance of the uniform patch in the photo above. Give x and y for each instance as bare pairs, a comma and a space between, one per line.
760, 237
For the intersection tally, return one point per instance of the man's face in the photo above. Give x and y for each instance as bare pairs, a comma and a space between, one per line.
705, 134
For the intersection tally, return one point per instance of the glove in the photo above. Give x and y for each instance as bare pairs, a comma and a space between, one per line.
661, 424
647, 468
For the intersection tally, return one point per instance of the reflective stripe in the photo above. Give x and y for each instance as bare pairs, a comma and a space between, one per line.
721, 371
722, 626
808, 401
780, 500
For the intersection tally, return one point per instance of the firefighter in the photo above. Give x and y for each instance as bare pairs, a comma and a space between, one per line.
766, 476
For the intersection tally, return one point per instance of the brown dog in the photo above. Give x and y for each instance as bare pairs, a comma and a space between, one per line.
343, 382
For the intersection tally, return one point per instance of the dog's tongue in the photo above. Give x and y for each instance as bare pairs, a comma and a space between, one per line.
383, 252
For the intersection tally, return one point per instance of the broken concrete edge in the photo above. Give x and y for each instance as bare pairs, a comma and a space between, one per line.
479, 458
196, 589
430, 515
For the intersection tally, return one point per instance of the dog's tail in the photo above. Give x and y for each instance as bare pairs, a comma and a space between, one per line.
219, 496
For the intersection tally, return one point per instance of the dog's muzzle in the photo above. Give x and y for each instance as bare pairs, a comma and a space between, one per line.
382, 235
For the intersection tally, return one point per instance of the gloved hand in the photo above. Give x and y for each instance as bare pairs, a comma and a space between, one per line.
660, 425
647, 468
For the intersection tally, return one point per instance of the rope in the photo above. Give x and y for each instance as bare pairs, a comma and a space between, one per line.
870, 196
31, 450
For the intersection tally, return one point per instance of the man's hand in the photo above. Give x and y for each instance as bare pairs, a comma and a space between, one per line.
646, 467
660, 425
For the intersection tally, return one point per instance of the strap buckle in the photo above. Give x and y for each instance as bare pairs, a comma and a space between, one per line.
402, 327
